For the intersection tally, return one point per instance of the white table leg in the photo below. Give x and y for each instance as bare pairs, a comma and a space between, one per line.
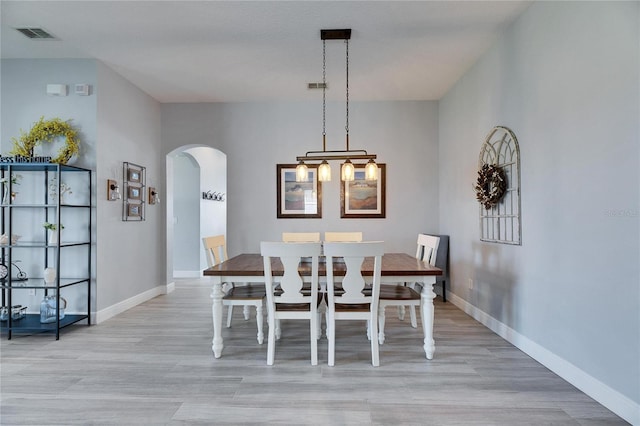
381, 322
216, 312
427, 312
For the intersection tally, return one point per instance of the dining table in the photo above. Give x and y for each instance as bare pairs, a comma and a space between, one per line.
396, 268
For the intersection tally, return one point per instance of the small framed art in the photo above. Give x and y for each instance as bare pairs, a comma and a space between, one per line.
134, 210
134, 173
361, 198
134, 177
134, 193
298, 200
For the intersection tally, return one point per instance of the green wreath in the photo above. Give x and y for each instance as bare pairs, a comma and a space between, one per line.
490, 186
48, 131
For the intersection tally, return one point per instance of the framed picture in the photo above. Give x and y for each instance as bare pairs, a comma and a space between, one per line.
134, 193
134, 210
361, 198
134, 177
298, 200
134, 174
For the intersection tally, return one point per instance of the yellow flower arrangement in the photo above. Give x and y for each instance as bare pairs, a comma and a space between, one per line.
48, 131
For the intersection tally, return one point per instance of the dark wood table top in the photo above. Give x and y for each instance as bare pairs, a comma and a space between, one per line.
393, 264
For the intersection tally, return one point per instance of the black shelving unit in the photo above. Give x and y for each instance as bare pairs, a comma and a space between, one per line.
37, 206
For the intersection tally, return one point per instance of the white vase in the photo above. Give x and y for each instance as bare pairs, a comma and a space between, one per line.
49, 275
53, 238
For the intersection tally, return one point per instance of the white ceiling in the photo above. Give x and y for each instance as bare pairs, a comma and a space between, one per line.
226, 51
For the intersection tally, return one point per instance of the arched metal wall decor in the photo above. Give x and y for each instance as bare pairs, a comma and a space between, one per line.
500, 223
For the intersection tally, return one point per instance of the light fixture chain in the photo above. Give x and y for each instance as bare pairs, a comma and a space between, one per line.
347, 49
324, 87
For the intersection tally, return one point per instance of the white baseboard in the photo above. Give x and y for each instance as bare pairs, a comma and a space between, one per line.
127, 304
605, 395
187, 274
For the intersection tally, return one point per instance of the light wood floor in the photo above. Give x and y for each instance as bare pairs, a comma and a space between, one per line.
153, 365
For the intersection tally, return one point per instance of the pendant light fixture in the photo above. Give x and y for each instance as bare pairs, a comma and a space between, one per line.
324, 169
347, 171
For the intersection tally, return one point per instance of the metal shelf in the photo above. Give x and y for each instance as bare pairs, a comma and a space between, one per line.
31, 323
51, 253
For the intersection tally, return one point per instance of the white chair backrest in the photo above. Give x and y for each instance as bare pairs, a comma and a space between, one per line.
301, 237
216, 249
427, 248
290, 254
353, 282
343, 237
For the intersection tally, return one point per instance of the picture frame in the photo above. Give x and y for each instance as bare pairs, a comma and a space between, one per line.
134, 210
363, 199
134, 174
134, 177
298, 200
134, 193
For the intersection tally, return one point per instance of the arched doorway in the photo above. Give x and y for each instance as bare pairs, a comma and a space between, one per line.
192, 170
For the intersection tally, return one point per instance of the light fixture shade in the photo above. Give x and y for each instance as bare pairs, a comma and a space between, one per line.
348, 171
302, 172
324, 172
371, 170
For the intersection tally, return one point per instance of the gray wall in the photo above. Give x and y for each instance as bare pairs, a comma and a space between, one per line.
24, 101
130, 254
186, 214
213, 214
565, 79
257, 136
117, 122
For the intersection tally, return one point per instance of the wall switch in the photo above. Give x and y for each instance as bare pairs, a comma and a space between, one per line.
32, 292
470, 284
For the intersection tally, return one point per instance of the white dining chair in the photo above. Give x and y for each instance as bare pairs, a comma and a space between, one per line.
286, 298
337, 237
354, 300
246, 295
407, 295
301, 237
343, 237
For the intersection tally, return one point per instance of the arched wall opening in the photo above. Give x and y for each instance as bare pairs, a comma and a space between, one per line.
191, 171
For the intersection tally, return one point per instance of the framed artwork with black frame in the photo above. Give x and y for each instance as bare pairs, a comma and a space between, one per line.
361, 198
298, 200
134, 177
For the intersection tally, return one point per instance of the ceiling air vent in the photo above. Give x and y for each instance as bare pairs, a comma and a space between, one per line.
317, 86
36, 33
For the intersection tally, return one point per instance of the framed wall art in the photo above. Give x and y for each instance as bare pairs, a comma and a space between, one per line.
134, 177
134, 193
361, 198
134, 210
134, 173
298, 200
499, 209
